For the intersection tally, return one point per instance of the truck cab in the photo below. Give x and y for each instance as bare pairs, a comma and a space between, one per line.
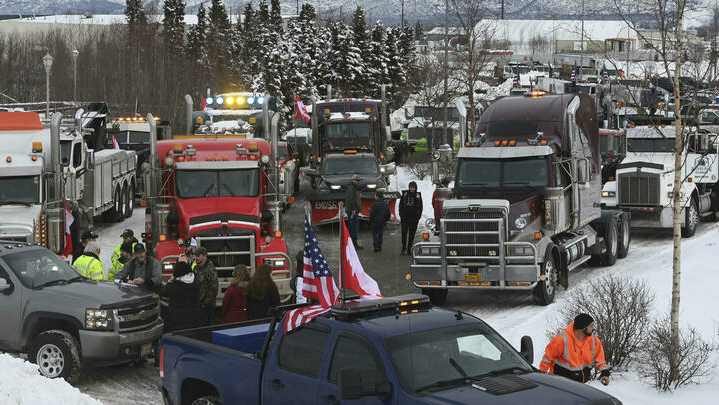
238, 113
427, 127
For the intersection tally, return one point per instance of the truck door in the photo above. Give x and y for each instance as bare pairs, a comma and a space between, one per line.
10, 311
353, 351
292, 372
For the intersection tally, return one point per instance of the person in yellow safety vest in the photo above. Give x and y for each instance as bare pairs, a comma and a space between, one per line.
127, 236
125, 256
89, 265
190, 245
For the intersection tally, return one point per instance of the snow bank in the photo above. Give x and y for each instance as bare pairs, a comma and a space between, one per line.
20, 383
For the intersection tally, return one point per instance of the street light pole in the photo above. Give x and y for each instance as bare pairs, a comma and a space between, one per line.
75, 54
47, 62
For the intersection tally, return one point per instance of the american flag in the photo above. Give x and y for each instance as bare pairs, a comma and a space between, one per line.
573, 77
318, 283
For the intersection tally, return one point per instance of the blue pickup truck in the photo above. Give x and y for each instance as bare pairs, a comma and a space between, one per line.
398, 350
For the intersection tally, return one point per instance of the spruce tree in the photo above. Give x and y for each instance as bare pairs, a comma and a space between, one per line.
395, 67
307, 12
418, 31
219, 44
197, 37
136, 20
378, 59
174, 25
361, 51
276, 17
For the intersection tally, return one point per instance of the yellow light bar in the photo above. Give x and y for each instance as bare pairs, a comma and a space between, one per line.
230, 100
240, 100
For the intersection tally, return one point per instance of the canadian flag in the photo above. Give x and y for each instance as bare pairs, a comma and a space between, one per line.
354, 276
69, 219
301, 110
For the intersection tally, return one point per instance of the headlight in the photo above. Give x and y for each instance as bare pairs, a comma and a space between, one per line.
520, 222
429, 250
168, 266
169, 161
98, 319
335, 187
371, 186
609, 193
521, 251
274, 262
265, 159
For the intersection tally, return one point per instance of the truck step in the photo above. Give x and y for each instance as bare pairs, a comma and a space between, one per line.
579, 262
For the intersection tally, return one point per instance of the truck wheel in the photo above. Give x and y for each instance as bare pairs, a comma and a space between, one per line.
123, 205
56, 354
611, 242
208, 400
129, 200
543, 293
625, 238
691, 219
114, 214
438, 296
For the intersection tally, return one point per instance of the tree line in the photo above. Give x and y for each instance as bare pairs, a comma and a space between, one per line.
154, 60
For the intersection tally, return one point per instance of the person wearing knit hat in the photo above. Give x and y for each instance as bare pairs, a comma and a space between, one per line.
575, 351
183, 292
89, 265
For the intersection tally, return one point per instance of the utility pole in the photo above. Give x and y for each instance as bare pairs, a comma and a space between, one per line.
502, 16
298, 7
446, 67
402, 25
581, 55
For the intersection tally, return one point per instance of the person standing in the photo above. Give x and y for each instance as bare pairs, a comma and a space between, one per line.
142, 270
575, 351
262, 293
89, 265
117, 265
85, 238
410, 211
209, 286
353, 207
183, 293
379, 214
234, 303
189, 246
127, 236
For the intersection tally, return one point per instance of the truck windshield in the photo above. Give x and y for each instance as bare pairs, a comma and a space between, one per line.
40, 268
504, 173
348, 165
427, 359
650, 144
20, 190
349, 130
217, 183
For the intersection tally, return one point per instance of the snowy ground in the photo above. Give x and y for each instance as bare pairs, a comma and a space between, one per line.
21, 384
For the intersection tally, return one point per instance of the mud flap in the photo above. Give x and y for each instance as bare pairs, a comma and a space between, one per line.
563, 273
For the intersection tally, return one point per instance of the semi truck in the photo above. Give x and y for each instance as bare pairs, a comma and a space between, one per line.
525, 207
223, 191
644, 179
46, 166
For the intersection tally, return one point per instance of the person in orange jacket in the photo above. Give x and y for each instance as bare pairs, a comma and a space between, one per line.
575, 351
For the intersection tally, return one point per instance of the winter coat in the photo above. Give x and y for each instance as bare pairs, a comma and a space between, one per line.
379, 214
116, 254
209, 286
353, 200
410, 206
578, 360
89, 266
234, 304
150, 272
257, 309
183, 311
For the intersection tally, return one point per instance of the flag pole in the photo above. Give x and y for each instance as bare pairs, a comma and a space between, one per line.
294, 126
342, 270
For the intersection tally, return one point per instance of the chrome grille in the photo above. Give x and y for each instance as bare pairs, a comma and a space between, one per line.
472, 227
138, 317
639, 189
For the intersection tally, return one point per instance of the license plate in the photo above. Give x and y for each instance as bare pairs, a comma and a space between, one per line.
474, 277
145, 349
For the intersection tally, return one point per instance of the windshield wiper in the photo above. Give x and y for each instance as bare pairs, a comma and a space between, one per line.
444, 384
209, 188
16, 202
60, 281
508, 370
232, 194
523, 183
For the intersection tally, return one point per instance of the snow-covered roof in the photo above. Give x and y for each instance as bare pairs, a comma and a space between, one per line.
349, 116
521, 31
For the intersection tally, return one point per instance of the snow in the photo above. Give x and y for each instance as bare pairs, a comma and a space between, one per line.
21, 384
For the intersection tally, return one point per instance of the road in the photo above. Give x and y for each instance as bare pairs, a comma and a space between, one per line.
506, 312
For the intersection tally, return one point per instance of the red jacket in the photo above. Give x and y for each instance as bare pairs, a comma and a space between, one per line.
573, 356
234, 304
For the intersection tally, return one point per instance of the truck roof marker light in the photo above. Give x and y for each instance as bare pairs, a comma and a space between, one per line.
198, 120
8, 159
327, 111
368, 110
163, 238
209, 158
649, 126
225, 158
217, 158
319, 158
512, 143
664, 125
253, 120
36, 147
497, 143
505, 142
537, 235
350, 152
425, 235
619, 103
278, 234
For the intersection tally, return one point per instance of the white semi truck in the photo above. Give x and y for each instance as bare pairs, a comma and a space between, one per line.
644, 179
45, 166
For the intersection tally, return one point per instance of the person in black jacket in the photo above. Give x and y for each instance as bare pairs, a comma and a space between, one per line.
378, 215
262, 293
183, 292
410, 211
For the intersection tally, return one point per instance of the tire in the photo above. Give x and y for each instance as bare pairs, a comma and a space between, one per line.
208, 400
57, 355
544, 292
123, 203
129, 200
114, 214
691, 219
625, 238
611, 242
438, 296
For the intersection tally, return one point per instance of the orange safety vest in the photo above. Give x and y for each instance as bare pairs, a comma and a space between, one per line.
573, 355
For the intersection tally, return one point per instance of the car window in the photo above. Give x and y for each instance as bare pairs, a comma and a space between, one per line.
301, 350
356, 353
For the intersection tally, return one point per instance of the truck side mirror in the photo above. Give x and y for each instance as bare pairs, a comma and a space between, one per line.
5, 287
89, 159
355, 384
527, 349
582, 170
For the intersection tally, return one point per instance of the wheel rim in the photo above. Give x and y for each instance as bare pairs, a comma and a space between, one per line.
50, 360
131, 199
549, 277
118, 206
625, 234
613, 235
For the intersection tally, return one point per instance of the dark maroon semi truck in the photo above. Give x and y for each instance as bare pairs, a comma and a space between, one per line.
525, 207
